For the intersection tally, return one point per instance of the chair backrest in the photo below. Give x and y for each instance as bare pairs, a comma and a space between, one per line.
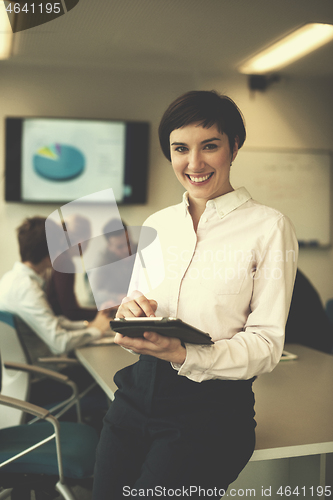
329, 310
14, 383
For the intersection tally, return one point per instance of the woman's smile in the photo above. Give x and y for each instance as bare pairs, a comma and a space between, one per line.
202, 179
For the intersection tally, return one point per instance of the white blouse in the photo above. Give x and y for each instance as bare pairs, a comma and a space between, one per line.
233, 279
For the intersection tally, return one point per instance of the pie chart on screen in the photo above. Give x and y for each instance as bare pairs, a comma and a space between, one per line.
58, 162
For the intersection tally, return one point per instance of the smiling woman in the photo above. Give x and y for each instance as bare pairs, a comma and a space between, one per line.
183, 415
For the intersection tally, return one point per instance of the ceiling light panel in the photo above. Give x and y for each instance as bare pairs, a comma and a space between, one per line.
6, 33
290, 48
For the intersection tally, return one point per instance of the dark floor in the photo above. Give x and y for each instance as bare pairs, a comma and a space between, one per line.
79, 492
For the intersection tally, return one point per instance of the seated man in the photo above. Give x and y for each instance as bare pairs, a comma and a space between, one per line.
22, 294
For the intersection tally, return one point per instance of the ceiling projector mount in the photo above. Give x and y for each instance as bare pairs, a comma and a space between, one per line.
262, 82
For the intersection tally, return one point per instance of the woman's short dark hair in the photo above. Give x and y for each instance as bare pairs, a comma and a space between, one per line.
32, 240
206, 107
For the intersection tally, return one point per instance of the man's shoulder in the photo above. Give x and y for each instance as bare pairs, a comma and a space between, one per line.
18, 281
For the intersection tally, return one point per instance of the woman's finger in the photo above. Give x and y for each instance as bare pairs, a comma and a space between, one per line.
130, 309
136, 305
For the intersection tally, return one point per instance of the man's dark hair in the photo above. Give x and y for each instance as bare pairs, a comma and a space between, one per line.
111, 228
32, 240
207, 108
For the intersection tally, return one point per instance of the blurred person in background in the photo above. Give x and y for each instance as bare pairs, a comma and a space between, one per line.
60, 288
110, 279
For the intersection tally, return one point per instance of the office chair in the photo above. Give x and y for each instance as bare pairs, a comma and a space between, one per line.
18, 383
329, 310
14, 383
33, 458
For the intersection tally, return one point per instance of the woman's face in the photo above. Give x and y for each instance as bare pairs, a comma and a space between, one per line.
201, 160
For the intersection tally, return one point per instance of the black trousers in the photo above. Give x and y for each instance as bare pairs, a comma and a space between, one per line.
166, 435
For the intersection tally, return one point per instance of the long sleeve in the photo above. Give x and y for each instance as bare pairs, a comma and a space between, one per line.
60, 334
21, 294
257, 348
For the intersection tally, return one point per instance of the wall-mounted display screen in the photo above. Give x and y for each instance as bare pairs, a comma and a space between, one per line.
57, 160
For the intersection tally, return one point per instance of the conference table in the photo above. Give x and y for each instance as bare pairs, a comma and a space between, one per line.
294, 403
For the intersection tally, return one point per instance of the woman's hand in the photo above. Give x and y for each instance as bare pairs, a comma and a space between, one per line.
136, 305
153, 344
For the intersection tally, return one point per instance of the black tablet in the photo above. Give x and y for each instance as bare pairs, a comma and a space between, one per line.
170, 327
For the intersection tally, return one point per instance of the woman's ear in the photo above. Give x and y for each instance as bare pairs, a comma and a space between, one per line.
235, 149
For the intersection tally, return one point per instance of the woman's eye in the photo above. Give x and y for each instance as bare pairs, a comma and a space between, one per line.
181, 149
211, 146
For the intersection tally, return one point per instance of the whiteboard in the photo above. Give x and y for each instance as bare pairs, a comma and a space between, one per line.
297, 183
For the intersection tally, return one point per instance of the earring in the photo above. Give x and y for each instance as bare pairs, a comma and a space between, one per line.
230, 163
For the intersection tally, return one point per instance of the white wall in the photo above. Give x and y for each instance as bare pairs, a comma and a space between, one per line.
290, 113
